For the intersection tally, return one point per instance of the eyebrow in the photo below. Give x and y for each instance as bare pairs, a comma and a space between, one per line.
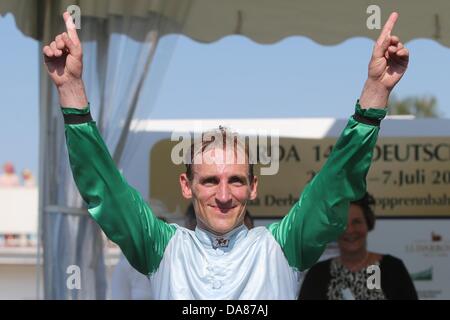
215, 179
207, 179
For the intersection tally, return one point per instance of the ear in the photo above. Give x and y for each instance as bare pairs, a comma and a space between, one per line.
185, 186
254, 188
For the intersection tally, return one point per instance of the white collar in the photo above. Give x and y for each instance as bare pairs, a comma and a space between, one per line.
225, 241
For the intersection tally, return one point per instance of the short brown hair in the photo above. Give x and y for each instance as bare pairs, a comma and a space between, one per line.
366, 203
227, 137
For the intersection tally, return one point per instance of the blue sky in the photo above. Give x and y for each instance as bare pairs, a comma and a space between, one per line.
233, 77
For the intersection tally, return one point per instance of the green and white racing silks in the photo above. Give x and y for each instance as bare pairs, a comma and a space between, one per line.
261, 263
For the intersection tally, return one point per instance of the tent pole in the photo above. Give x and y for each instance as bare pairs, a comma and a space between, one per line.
44, 9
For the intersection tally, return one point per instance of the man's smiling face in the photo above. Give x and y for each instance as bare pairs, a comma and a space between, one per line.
219, 191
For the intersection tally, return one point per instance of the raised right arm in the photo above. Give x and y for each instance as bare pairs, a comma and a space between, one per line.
118, 208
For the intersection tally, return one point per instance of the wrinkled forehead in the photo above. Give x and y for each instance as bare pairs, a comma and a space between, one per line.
216, 161
216, 154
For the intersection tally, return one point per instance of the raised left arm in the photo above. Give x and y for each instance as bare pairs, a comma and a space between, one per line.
320, 215
387, 66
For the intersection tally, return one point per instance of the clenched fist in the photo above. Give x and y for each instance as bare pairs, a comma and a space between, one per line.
64, 61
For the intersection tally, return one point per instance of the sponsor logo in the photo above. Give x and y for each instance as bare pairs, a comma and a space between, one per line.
435, 246
423, 275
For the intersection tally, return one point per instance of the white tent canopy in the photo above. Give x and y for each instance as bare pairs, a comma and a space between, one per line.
264, 21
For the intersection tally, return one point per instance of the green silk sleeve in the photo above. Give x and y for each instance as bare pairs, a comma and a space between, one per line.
119, 209
320, 215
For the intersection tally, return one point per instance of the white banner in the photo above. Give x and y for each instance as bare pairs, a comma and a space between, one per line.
18, 210
423, 246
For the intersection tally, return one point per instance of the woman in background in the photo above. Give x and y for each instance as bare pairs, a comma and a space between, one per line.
345, 277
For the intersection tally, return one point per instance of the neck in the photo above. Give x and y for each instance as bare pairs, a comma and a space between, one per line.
354, 260
215, 233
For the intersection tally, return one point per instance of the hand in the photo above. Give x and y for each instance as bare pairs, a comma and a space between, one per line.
389, 58
387, 66
64, 61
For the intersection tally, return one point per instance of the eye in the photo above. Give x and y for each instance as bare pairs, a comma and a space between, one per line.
209, 181
237, 181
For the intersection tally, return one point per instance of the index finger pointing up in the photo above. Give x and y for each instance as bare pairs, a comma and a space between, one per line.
71, 28
388, 26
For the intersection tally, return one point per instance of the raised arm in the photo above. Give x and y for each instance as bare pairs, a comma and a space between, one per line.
320, 215
387, 66
119, 209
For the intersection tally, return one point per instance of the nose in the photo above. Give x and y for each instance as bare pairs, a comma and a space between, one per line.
350, 228
223, 194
